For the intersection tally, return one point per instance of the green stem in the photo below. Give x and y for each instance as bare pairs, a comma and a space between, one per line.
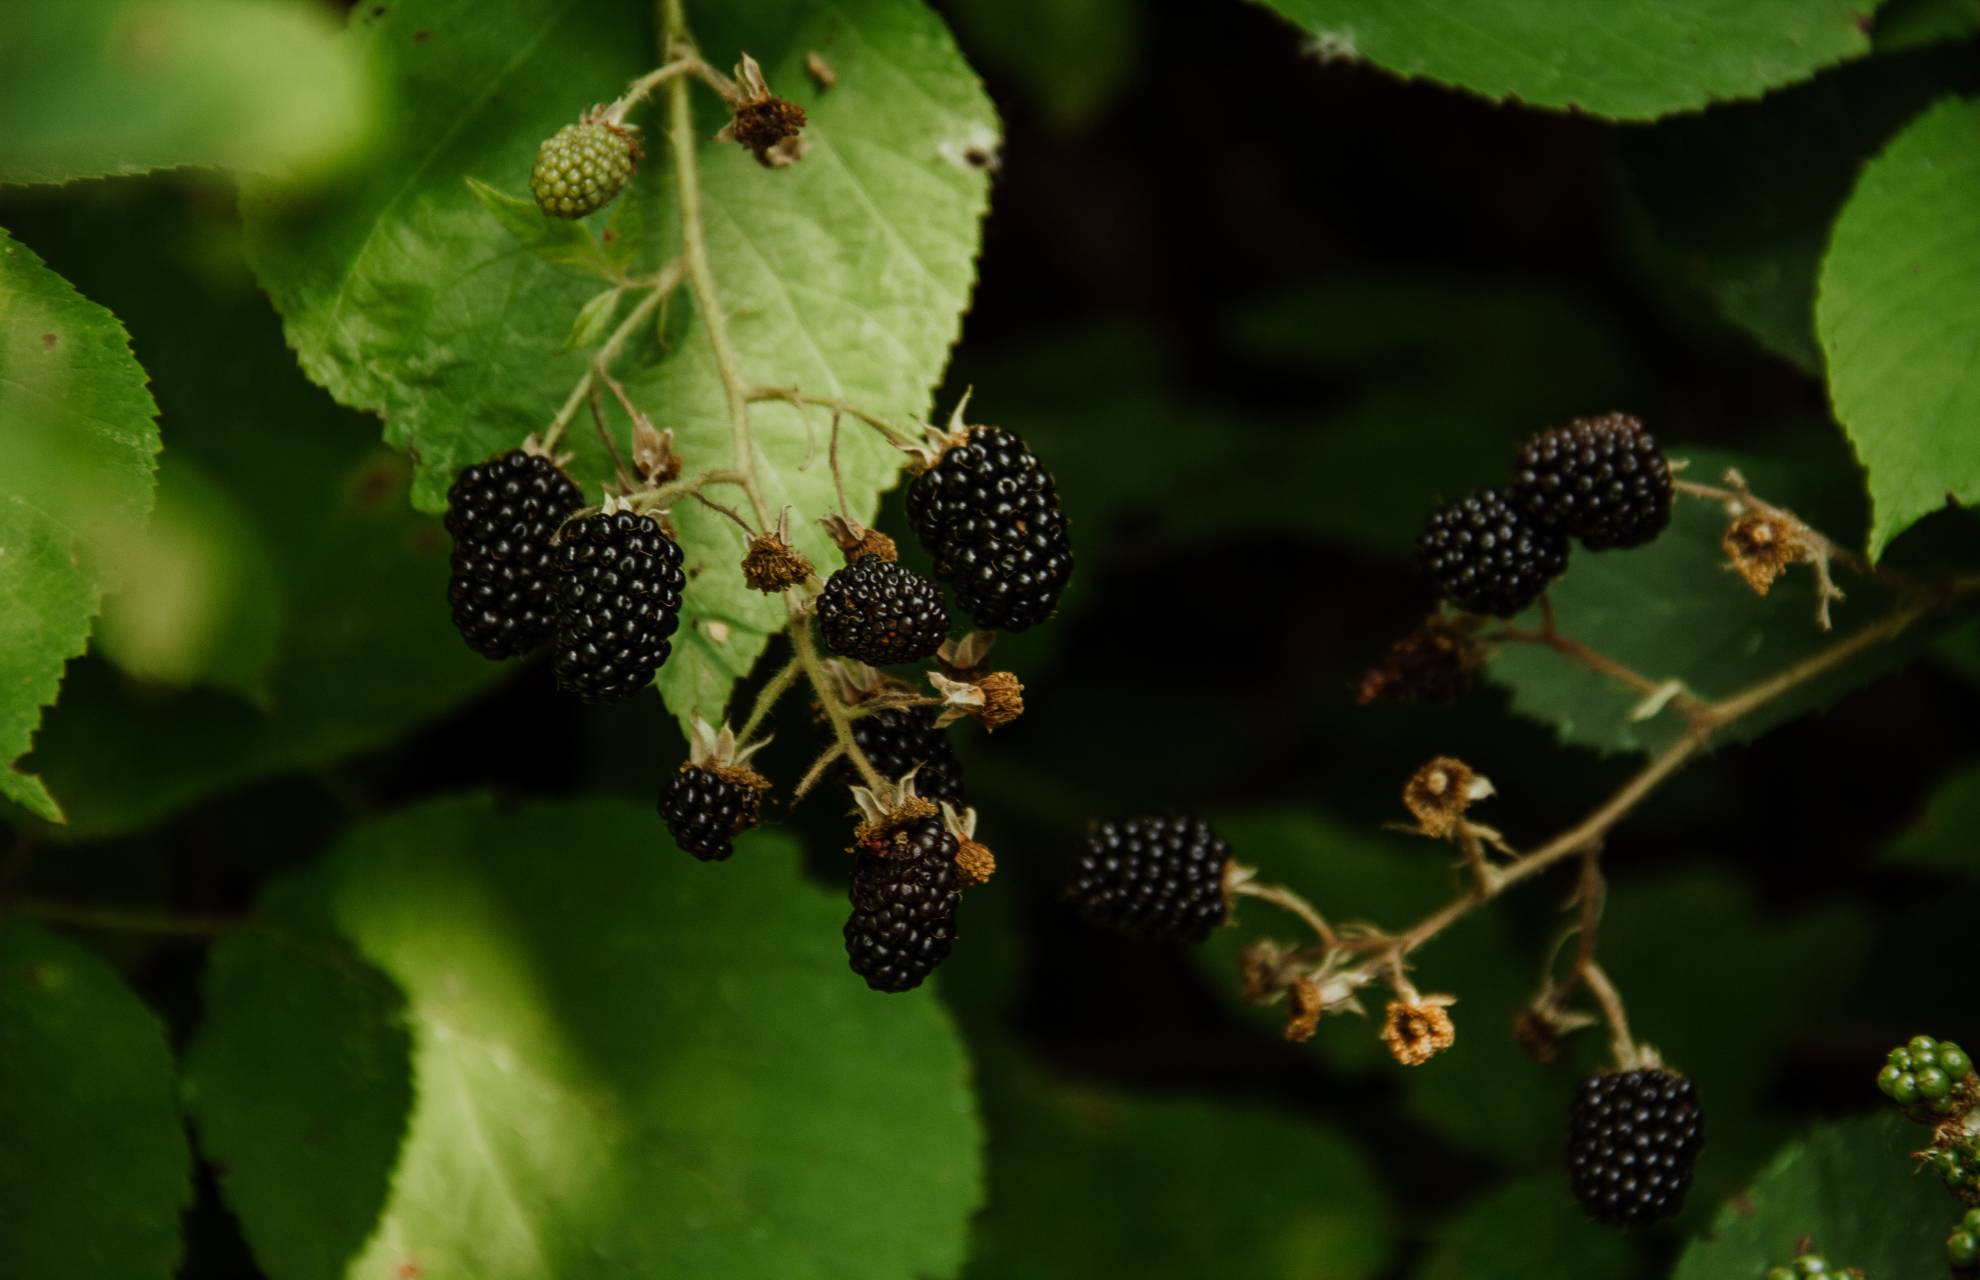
835, 711
767, 697
664, 283
790, 395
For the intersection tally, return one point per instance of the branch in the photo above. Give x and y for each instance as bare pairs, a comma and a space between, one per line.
664, 283
121, 920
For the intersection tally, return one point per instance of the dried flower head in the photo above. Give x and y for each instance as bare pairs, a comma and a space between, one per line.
887, 812
1418, 1030
858, 541
1433, 663
1438, 794
1762, 544
771, 563
1536, 1036
973, 858
764, 123
1303, 1017
995, 699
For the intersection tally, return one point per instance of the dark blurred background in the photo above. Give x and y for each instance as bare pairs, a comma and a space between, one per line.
1257, 309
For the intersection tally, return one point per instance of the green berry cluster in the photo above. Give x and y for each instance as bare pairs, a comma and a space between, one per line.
1808, 1264
1930, 1079
1957, 1162
1963, 1245
581, 167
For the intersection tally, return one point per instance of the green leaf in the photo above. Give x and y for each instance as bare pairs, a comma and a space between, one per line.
1851, 1189
363, 650
1946, 836
1085, 1183
559, 241
92, 88
1526, 1229
76, 487
300, 1081
200, 600
1671, 610
1905, 24
624, 1062
1899, 316
1625, 60
1752, 236
94, 1168
846, 274
594, 319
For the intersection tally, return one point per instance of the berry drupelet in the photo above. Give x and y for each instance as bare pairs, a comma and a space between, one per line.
1153, 878
898, 741
1602, 480
707, 808
1488, 556
501, 515
582, 167
619, 584
1633, 1139
904, 897
882, 613
988, 513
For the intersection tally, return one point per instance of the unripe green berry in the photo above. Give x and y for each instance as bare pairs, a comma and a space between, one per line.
1809, 1264
1905, 1089
1900, 1058
1954, 1062
1963, 1248
1887, 1078
1934, 1084
1971, 1222
581, 168
1921, 1046
1779, 1273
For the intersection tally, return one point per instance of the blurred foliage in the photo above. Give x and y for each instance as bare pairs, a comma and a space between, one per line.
91, 88
78, 483
94, 1168
600, 1064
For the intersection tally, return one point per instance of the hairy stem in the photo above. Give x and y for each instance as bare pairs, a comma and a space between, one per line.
767, 697
790, 395
1286, 899
664, 283
835, 711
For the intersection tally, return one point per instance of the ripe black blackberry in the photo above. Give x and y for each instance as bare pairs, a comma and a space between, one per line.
903, 920
1489, 556
1153, 878
1633, 1138
706, 809
619, 584
501, 514
897, 741
988, 513
1603, 480
882, 613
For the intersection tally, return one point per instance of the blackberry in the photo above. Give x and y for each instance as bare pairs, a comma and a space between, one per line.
1633, 1138
1603, 480
619, 584
903, 920
897, 741
501, 514
988, 513
1153, 878
882, 613
706, 809
582, 167
1488, 556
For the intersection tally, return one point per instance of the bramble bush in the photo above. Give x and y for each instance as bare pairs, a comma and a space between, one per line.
1326, 638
